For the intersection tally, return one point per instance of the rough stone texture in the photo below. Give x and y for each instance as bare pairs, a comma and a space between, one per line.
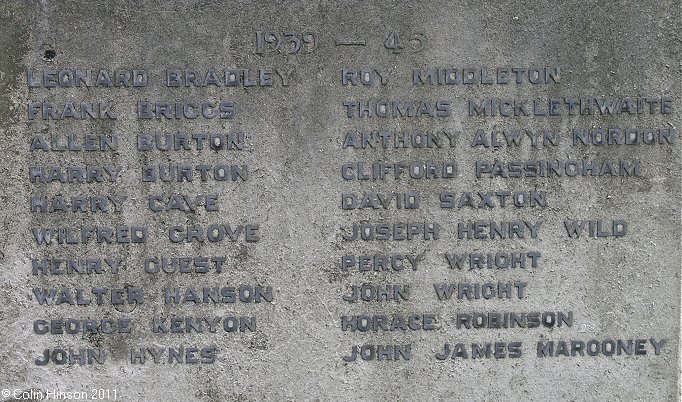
617, 288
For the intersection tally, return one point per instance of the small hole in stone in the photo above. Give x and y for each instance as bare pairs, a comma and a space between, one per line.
50, 54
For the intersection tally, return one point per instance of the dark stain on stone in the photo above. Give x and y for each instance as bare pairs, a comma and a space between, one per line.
49, 55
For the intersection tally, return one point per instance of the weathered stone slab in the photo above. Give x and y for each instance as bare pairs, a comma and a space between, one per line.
340, 200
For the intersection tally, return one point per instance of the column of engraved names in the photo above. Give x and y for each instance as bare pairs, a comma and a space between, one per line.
200, 195
389, 168
175, 157
495, 231
76, 208
515, 209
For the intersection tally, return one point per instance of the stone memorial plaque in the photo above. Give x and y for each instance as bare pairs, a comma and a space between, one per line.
246, 201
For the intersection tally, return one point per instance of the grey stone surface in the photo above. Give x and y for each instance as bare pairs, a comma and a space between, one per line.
616, 288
